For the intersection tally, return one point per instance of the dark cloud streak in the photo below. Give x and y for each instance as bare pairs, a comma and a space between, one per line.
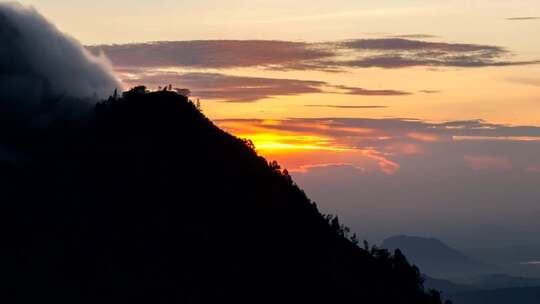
408, 44
365, 92
522, 18
248, 89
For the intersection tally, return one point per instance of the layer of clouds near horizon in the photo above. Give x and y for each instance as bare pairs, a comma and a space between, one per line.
231, 88
43, 71
394, 176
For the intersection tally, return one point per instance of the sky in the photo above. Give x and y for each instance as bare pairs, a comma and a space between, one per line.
403, 117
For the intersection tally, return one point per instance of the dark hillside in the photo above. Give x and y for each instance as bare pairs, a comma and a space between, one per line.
152, 203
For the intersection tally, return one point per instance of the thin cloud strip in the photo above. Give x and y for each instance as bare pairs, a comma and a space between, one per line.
413, 36
401, 44
347, 106
523, 18
229, 88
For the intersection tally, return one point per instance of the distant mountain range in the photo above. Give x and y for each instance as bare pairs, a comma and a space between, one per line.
437, 259
512, 259
523, 295
490, 289
496, 281
466, 280
484, 282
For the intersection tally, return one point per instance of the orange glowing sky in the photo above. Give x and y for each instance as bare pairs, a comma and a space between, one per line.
499, 94
375, 95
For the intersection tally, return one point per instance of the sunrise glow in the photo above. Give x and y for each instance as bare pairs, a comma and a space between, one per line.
411, 118
273, 143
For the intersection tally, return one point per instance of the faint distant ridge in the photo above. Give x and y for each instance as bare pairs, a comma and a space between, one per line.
517, 295
437, 259
501, 280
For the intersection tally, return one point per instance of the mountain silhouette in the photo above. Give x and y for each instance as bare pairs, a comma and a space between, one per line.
437, 259
500, 281
148, 201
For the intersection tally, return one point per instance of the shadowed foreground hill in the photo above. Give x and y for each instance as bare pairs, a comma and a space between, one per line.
152, 203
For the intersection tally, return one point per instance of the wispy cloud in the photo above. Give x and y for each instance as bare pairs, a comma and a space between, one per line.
523, 18
399, 61
413, 36
367, 92
347, 106
217, 86
408, 44
394, 53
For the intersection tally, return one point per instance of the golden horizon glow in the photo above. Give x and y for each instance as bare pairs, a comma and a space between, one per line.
276, 143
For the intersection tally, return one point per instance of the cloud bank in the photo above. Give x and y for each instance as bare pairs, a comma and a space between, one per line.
391, 53
199, 64
212, 53
193, 64
43, 72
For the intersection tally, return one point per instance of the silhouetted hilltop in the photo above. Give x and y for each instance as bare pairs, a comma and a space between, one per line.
436, 258
149, 202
